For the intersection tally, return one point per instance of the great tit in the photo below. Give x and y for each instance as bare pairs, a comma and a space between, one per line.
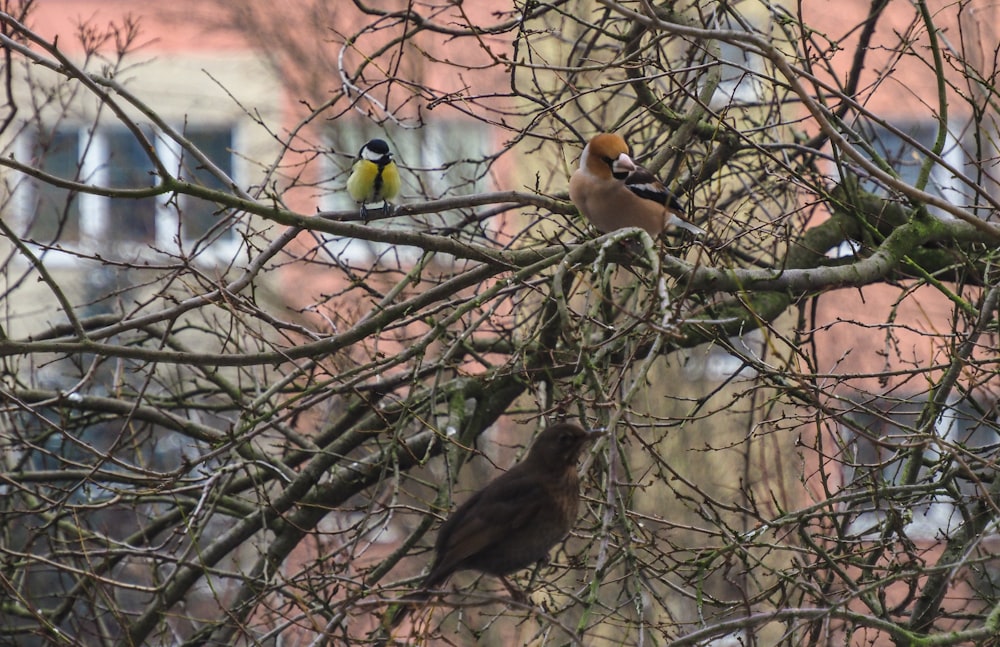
374, 177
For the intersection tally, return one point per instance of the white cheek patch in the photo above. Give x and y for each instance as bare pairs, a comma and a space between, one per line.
370, 155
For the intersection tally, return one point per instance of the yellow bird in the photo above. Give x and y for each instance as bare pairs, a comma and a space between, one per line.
374, 177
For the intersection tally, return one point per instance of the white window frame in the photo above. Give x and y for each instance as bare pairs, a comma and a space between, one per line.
739, 82
940, 516
948, 187
93, 209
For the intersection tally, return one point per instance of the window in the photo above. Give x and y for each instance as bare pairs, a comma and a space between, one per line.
720, 362
906, 160
876, 452
739, 69
435, 161
197, 217
59, 218
57, 211
738, 82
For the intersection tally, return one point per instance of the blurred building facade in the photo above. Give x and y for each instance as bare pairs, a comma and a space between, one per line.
226, 93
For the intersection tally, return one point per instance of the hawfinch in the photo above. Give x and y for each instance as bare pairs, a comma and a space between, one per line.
614, 192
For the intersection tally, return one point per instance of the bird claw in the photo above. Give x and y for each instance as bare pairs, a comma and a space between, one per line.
387, 209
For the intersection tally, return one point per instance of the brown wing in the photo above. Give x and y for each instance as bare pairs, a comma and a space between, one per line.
486, 520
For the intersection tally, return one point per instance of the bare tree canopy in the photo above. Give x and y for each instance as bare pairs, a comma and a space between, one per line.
236, 409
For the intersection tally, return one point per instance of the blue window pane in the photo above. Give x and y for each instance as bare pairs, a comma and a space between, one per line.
198, 216
129, 167
902, 156
907, 159
55, 214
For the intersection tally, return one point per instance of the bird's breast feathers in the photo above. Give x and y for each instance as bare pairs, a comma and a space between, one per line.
361, 184
390, 181
370, 182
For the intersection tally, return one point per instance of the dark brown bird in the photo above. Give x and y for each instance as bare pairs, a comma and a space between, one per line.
515, 520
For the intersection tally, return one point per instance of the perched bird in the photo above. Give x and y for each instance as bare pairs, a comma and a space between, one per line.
614, 192
515, 520
374, 176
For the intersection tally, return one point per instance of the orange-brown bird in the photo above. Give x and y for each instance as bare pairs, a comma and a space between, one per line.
515, 520
613, 192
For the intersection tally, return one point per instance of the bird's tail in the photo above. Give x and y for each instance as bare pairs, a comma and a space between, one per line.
677, 221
